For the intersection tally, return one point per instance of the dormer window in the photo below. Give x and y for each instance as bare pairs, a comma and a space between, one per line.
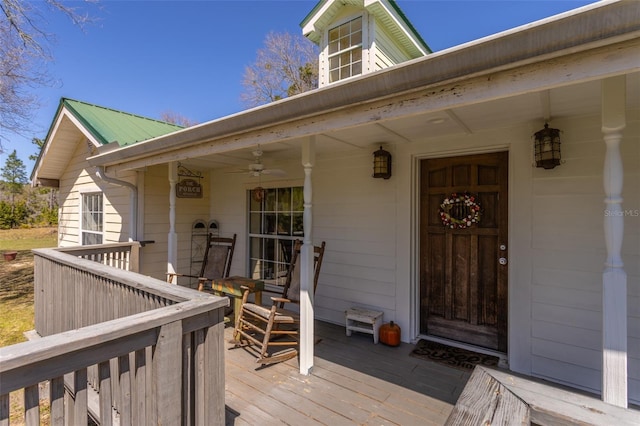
360, 37
345, 50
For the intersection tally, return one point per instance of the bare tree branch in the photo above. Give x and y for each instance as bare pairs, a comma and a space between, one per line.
177, 118
24, 56
286, 66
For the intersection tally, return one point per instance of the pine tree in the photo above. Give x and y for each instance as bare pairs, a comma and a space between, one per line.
14, 175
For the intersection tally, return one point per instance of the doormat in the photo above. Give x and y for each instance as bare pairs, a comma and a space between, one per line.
461, 359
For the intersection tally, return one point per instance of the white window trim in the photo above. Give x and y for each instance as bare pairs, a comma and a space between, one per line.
81, 230
365, 48
268, 284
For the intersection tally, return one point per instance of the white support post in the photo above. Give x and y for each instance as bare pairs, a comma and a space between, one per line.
172, 240
614, 277
306, 264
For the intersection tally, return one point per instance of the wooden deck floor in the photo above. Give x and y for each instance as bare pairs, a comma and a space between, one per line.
353, 382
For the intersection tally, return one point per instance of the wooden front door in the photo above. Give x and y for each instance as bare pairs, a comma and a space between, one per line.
463, 282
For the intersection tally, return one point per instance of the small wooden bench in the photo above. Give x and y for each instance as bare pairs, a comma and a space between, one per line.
497, 397
364, 321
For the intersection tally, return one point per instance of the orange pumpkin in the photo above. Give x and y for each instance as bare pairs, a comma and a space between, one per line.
390, 334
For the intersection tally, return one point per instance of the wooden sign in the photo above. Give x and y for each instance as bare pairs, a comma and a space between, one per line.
188, 188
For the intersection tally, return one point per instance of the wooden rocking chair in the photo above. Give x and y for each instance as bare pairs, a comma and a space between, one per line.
216, 262
276, 326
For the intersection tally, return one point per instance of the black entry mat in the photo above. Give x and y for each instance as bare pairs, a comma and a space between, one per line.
453, 357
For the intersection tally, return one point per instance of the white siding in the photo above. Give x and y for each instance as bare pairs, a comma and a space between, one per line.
156, 222
386, 52
568, 256
80, 177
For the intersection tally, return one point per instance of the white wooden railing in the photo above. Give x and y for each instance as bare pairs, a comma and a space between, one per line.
118, 347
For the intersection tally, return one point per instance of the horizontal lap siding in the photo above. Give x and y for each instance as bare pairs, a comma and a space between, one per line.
386, 52
352, 212
69, 198
229, 204
356, 215
568, 254
156, 222
78, 178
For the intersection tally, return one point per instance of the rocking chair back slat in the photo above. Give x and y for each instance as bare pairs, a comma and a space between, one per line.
291, 289
217, 259
216, 262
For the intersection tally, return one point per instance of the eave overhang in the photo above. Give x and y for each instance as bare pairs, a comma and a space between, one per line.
586, 28
63, 136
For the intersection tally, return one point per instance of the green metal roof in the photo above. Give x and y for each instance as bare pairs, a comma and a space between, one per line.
110, 125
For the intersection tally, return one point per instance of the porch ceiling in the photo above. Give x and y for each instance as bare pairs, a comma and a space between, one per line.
530, 108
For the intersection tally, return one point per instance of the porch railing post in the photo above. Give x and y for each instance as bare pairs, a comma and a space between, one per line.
167, 375
213, 387
134, 257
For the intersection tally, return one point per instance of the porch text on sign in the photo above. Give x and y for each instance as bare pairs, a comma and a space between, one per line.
188, 188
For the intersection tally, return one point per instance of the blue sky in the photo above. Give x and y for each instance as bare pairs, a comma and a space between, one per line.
147, 57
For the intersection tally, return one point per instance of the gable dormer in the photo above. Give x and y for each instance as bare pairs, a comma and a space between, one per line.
359, 37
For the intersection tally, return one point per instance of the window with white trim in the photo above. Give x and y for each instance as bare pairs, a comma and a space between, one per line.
91, 220
345, 50
275, 222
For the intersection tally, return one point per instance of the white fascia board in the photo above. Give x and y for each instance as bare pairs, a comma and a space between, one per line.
309, 30
45, 150
49, 145
82, 129
373, 7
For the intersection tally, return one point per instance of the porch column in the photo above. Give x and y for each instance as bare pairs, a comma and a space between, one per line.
172, 240
306, 264
614, 277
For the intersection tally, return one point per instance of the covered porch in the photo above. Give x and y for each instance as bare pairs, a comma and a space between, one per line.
557, 247
564, 263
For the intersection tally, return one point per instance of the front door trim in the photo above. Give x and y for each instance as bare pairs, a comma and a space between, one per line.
415, 246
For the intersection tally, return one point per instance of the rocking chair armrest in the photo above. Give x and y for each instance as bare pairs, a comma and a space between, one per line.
280, 299
245, 293
175, 274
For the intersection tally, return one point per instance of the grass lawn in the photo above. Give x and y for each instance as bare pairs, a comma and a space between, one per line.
27, 239
16, 280
16, 298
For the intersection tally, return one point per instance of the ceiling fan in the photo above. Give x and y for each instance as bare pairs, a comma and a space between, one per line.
257, 168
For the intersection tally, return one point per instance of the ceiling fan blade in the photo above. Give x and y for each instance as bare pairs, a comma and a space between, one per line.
274, 172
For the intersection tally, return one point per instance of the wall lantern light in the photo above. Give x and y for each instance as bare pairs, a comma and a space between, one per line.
381, 164
547, 147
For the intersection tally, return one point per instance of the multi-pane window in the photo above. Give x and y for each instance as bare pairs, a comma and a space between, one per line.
275, 221
345, 50
92, 218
